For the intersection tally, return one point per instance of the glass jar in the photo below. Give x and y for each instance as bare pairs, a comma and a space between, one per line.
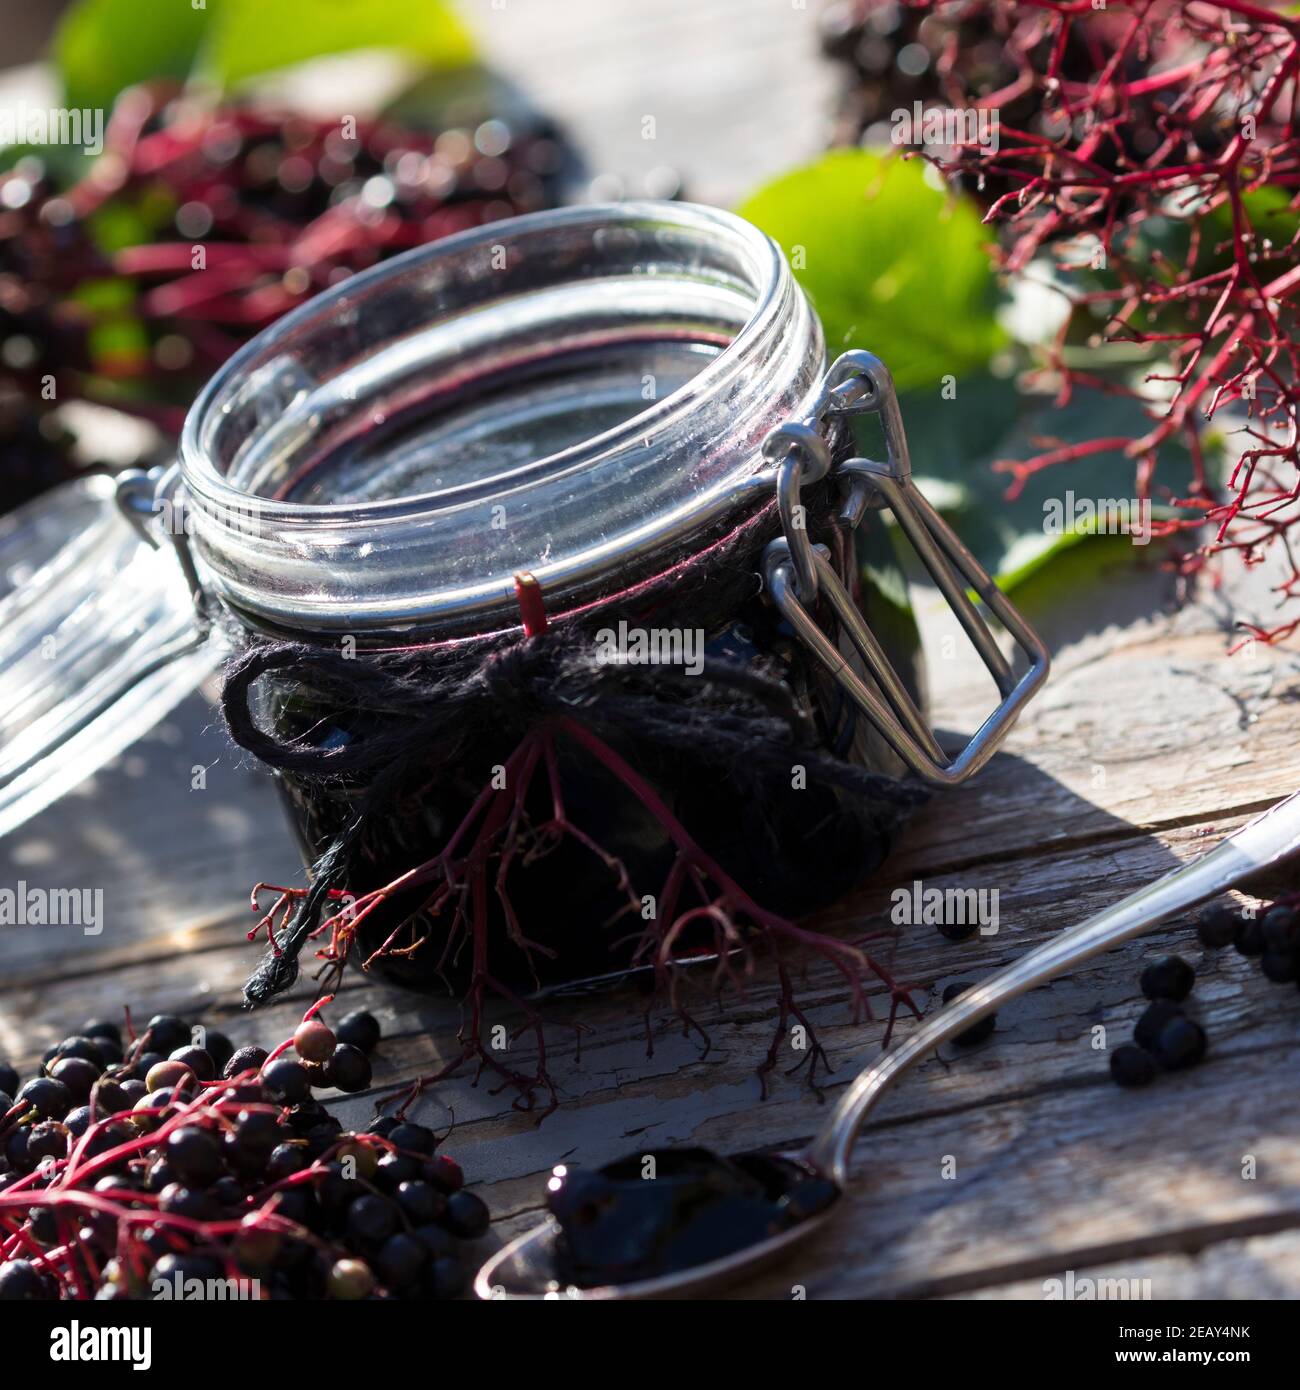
595, 427
581, 396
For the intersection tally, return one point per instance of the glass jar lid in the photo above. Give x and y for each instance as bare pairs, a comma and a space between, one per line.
576, 394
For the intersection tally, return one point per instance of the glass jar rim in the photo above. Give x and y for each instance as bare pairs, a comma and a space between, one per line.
779, 327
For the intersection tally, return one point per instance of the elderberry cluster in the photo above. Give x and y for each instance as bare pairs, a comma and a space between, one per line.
1164, 1037
161, 1167
895, 57
282, 206
1272, 937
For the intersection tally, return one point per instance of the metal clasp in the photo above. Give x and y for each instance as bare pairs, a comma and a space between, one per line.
798, 572
155, 498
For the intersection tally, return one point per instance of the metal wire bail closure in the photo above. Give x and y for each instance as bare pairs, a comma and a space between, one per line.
798, 572
803, 457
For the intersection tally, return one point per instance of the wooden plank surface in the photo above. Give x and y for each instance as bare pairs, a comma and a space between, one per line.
986, 1173
1055, 1169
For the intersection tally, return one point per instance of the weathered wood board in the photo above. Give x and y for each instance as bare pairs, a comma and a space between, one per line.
987, 1172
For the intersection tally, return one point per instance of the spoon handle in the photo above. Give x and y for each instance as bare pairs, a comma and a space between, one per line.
1258, 844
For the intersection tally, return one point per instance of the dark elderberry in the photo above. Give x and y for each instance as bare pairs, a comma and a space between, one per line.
49, 1139
85, 1048
144, 1064
78, 1120
394, 1169
194, 1155
150, 1112
242, 1093
382, 1125
294, 1252
413, 1138
335, 1190
20, 1281
1279, 925
110, 1136
160, 1174
184, 1267
306, 1116
977, 1032
387, 1210
1249, 937
295, 1205
116, 1182
446, 1278
110, 1053
286, 1081
444, 1173
400, 1260
1181, 1043
1168, 978
372, 1219
1154, 1017
156, 1241
98, 1228
192, 1202
198, 1061
360, 1030
1132, 1066
77, 1074
219, 1048
257, 1133
103, 1028
322, 1138
420, 1202
349, 1068
227, 1191
284, 1161
50, 1096
246, 1059
9, 1079
467, 1215
45, 1227
437, 1240
166, 1033
16, 1151
958, 931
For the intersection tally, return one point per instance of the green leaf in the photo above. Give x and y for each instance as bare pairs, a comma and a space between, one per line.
102, 46
254, 37
890, 263
954, 443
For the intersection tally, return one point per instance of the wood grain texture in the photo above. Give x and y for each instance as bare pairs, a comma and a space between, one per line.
1149, 742
1055, 1169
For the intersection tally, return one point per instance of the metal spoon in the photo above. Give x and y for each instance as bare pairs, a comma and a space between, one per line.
526, 1268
